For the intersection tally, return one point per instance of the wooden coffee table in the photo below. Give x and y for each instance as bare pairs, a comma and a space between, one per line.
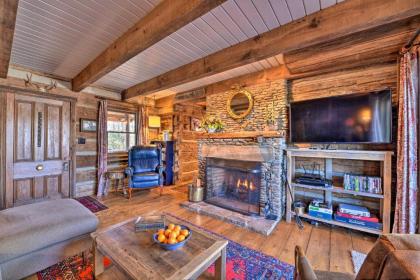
138, 257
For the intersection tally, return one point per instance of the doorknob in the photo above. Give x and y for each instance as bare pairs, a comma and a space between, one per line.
39, 167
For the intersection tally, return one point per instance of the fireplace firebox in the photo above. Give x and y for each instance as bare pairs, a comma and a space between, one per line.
234, 185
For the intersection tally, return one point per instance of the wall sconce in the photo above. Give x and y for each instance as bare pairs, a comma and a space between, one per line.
154, 121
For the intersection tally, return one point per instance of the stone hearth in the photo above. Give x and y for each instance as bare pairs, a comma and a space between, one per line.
257, 224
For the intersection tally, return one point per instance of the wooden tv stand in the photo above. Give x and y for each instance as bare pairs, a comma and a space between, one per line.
384, 157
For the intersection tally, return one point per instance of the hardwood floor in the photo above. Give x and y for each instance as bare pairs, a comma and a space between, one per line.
327, 248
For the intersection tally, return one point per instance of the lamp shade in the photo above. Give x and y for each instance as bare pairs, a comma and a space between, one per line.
154, 121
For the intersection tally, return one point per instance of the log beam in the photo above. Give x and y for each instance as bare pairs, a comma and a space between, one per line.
8, 10
335, 22
163, 20
376, 46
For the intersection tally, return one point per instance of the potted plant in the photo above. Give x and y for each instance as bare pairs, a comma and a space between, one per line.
212, 124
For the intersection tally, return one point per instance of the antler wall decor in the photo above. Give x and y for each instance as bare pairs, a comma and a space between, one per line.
29, 83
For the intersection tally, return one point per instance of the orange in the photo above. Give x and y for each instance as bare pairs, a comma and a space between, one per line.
180, 238
171, 226
161, 237
161, 231
168, 232
173, 235
177, 228
185, 232
172, 241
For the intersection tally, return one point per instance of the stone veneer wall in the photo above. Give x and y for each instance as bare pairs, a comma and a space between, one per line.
263, 95
273, 167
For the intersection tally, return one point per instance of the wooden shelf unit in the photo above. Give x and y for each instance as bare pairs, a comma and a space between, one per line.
384, 157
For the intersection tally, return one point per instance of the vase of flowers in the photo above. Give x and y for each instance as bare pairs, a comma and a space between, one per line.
212, 124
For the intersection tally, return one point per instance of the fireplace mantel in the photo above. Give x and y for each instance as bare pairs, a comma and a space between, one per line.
240, 134
233, 152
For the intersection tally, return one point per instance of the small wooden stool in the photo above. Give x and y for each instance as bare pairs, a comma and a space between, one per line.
119, 177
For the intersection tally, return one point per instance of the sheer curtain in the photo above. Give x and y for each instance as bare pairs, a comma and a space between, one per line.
102, 146
407, 203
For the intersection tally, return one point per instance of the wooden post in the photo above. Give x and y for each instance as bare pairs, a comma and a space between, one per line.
290, 173
98, 261
328, 176
386, 204
220, 269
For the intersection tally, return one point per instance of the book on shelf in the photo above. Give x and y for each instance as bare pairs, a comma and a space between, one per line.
353, 210
358, 222
320, 215
320, 209
372, 218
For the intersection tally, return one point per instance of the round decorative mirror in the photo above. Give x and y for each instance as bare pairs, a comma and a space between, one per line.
240, 104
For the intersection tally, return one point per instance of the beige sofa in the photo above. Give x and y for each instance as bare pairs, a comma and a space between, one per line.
36, 236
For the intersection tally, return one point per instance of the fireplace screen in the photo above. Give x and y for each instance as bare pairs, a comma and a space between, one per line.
234, 185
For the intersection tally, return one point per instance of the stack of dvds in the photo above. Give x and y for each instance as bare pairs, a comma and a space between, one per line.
362, 183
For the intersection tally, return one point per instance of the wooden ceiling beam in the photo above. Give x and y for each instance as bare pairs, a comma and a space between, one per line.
340, 20
163, 20
8, 10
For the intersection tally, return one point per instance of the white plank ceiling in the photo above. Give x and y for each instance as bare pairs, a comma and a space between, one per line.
61, 37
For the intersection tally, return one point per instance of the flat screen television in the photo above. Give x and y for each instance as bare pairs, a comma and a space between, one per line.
355, 118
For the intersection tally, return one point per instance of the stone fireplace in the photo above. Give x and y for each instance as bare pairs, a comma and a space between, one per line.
242, 179
252, 144
262, 155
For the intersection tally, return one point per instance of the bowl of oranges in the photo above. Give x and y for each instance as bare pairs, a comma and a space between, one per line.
172, 236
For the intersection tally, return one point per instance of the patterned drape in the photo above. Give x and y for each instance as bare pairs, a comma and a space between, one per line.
408, 204
102, 139
143, 131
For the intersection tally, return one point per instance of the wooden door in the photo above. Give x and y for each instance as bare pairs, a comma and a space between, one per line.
37, 149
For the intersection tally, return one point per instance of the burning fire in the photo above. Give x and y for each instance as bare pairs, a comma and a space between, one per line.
245, 184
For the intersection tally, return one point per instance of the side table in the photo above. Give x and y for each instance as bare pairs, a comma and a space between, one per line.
118, 177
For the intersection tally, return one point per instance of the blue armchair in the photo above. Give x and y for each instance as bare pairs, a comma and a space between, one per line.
144, 169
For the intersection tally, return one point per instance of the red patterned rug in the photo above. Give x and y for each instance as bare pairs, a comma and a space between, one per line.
242, 263
91, 203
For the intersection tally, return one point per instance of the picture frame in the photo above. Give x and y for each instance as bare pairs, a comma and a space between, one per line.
195, 124
88, 125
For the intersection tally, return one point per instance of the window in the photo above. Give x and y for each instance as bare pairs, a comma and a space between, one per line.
122, 132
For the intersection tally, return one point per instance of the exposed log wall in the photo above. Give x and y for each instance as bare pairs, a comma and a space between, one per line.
86, 154
186, 147
376, 77
379, 45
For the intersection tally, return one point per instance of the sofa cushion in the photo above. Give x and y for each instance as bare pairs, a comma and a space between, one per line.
28, 228
146, 176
